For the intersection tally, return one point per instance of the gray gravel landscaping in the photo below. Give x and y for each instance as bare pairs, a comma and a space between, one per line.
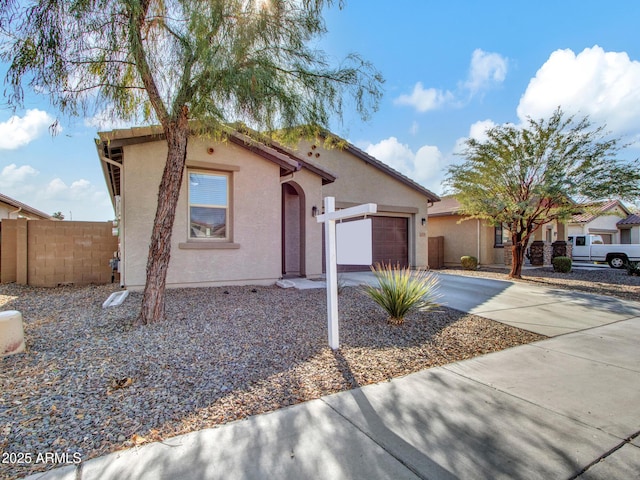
91, 382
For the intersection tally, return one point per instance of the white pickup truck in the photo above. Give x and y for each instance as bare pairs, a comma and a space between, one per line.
591, 248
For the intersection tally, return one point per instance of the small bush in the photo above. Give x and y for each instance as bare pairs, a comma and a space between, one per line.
401, 289
562, 264
633, 268
469, 263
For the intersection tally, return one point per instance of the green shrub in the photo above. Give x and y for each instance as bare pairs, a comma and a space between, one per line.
401, 289
562, 264
633, 268
469, 263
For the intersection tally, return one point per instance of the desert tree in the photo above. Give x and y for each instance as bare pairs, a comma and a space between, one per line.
191, 66
545, 170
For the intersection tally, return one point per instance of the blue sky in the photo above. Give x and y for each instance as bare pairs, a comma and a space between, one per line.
452, 69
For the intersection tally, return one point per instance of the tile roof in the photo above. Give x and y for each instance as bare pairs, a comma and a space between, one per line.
446, 206
633, 219
596, 210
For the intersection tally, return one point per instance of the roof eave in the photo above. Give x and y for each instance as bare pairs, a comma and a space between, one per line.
390, 171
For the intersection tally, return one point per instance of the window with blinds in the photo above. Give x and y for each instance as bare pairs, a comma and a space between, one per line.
208, 206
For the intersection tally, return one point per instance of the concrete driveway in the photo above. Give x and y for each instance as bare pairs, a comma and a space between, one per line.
538, 309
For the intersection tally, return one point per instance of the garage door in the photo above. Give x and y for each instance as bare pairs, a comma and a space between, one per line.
391, 240
390, 236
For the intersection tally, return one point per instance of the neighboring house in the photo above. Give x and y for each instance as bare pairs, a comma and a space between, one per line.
246, 212
612, 220
629, 229
464, 236
10, 208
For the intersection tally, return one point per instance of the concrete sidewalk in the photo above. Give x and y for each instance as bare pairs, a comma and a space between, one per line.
559, 408
566, 407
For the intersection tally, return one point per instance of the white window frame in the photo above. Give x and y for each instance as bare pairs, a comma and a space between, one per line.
227, 207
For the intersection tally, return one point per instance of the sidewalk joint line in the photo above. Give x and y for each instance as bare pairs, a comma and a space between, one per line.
408, 467
626, 441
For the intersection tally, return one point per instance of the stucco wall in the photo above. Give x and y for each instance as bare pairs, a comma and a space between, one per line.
359, 182
465, 238
255, 208
5, 209
601, 224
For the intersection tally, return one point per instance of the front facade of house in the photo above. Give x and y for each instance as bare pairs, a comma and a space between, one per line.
629, 229
612, 221
246, 212
465, 236
478, 238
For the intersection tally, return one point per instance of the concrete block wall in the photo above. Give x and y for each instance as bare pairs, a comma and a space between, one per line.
49, 253
8, 248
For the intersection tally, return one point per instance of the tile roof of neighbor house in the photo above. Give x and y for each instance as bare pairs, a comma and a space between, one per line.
633, 219
599, 210
24, 207
447, 205
285, 157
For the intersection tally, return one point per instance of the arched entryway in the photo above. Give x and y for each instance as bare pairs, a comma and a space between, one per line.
293, 230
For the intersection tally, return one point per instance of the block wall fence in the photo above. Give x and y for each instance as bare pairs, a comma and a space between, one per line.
49, 253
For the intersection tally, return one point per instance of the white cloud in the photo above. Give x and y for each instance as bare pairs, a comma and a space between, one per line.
81, 200
12, 175
393, 153
414, 128
486, 70
603, 85
424, 100
79, 190
424, 166
103, 121
478, 131
19, 131
428, 167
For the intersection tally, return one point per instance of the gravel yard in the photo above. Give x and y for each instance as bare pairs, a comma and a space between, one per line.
92, 383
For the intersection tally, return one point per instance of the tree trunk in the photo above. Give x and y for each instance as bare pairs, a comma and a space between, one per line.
517, 259
177, 133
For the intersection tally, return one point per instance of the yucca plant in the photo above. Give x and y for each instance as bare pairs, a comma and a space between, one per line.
402, 289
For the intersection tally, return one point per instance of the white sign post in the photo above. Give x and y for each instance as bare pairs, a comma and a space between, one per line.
329, 219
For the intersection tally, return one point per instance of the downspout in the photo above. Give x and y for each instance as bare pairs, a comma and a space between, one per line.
17, 211
120, 221
478, 235
429, 205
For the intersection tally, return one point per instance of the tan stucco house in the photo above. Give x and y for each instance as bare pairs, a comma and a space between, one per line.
246, 212
612, 220
464, 236
11, 208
